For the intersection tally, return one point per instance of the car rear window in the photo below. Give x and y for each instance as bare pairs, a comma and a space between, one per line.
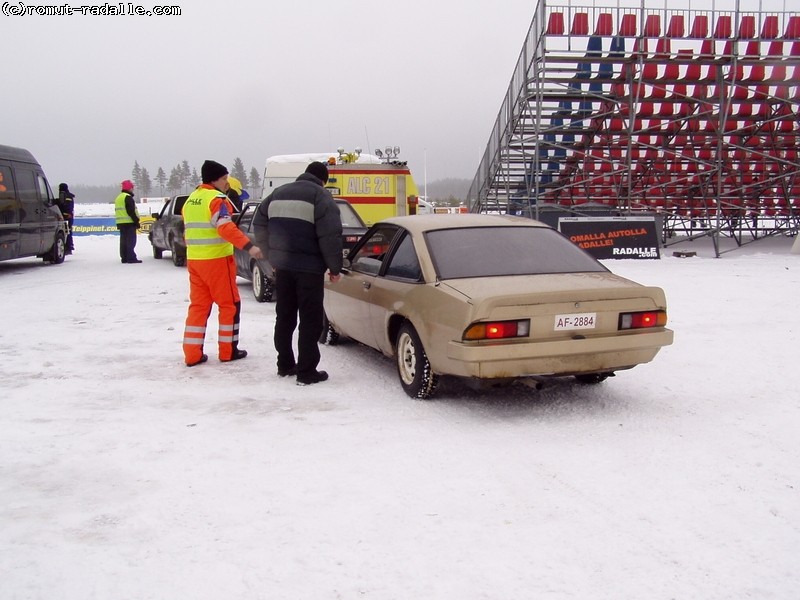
490, 251
349, 216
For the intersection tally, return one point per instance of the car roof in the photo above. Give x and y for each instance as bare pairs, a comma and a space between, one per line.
256, 202
422, 223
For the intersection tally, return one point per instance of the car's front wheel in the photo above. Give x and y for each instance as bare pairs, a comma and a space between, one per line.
413, 366
157, 252
178, 256
58, 251
263, 289
329, 335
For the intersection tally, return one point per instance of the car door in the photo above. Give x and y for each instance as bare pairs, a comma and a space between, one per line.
400, 273
159, 227
245, 223
9, 215
348, 301
31, 212
51, 215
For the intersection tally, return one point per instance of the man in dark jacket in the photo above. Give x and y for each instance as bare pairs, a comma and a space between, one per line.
300, 225
66, 203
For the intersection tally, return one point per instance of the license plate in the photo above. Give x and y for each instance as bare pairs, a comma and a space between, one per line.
575, 321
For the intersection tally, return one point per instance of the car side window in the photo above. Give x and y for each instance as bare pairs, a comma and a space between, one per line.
404, 263
246, 219
372, 251
179, 202
8, 207
45, 195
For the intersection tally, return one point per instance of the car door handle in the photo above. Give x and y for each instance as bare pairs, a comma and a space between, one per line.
366, 285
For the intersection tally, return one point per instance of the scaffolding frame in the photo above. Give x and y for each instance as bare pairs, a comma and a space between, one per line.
690, 115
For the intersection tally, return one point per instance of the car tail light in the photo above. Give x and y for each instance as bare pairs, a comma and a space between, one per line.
643, 320
497, 330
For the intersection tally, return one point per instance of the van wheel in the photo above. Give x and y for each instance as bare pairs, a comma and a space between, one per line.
178, 257
413, 366
58, 251
263, 288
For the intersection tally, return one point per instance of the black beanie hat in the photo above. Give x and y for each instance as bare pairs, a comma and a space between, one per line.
318, 170
211, 171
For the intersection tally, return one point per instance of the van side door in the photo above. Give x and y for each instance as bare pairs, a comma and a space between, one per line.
31, 211
52, 221
9, 215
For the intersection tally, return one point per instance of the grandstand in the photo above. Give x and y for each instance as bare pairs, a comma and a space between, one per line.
691, 115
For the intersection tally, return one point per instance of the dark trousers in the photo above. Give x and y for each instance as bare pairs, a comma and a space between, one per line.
127, 242
70, 243
298, 295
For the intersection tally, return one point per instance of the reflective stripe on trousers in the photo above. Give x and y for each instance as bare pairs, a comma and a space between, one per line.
212, 282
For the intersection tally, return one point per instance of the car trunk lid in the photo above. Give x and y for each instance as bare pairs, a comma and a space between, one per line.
559, 306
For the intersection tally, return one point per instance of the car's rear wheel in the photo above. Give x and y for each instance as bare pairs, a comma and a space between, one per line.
178, 255
329, 335
263, 289
158, 253
413, 366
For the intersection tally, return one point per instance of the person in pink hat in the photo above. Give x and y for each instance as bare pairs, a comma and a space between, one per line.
127, 218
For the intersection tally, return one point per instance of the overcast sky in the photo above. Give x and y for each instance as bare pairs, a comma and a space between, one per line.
89, 95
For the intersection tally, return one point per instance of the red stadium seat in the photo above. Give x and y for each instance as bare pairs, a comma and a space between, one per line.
663, 48
707, 48
756, 74
555, 24
604, 24
700, 27
769, 31
723, 29
747, 27
627, 26
792, 28
652, 26
580, 24
675, 28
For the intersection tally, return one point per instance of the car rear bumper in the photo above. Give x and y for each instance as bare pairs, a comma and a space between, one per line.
563, 357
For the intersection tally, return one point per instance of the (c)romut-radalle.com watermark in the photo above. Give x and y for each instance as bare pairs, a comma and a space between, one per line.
114, 9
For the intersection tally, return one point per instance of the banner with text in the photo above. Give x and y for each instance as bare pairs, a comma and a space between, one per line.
613, 237
105, 225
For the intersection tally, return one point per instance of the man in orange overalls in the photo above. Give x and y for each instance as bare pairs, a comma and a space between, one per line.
210, 238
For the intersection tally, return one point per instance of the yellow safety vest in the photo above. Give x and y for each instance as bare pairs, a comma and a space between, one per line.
121, 215
202, 240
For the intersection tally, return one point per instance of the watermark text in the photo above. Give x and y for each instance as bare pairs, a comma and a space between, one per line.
117, 9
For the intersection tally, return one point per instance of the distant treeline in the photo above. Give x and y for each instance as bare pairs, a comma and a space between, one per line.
182, 179
448, 191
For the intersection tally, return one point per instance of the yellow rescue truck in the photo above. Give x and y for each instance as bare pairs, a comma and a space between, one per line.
377, 185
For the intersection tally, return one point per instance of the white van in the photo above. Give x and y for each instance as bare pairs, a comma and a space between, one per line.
30, 222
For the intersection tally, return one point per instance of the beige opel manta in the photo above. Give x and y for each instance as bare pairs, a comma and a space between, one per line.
493, 299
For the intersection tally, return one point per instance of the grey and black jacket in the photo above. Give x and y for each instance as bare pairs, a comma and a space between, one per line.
299, 227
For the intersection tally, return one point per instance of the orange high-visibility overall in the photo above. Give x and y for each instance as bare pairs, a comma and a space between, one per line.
210, 237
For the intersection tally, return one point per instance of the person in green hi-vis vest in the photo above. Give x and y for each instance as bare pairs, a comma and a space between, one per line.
127, 218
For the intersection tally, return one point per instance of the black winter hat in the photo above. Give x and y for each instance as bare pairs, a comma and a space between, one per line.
211, 171
318, 170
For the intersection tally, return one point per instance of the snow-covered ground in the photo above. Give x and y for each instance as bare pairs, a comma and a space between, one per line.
126, 475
